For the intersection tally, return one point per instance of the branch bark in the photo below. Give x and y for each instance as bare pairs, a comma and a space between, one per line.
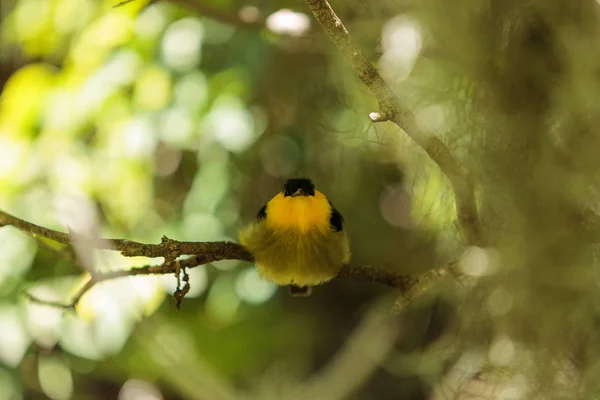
203, 253
390, 109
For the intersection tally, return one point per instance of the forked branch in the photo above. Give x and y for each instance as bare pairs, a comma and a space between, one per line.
390, 109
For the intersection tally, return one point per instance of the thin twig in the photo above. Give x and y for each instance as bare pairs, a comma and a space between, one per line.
161, 269
390, 109
122, 3
49, 303
203, 8
425, 284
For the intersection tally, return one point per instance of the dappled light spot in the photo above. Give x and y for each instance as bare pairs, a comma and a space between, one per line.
203, 227
136, 389
113, 325
170, 345
176, 126
394, 205
230, 124
191, 91
182, 42
249, 14
106, 314
93, 94
459, 375
120, 70
477, 261
151, 22
55, 378
123, 67
145, 295
71, 174
125, 188
24, 96
252, 288
44, 322
9, 386
288, 22
217, 33
78, 213
226, 265
431, 118
139, 138
280, 155
517, 387
435, 209
401, 42
167, 159
129, 298
108, 31
18, 252
200, 201
13, 155
60, 111
502, 351
77, 337
260, 119
222, 302
500, 302
31, 17
153, 88
14, 339
72, 15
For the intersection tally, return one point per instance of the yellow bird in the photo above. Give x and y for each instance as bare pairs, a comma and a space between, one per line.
298, 238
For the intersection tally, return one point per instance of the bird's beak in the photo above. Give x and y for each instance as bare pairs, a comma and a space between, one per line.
298, 192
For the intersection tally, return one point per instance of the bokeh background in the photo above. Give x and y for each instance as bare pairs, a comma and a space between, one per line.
183, 117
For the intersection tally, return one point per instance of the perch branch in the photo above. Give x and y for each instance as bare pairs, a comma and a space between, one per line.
170, 250
390, 109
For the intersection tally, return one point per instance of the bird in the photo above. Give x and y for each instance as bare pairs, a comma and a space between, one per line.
298, 238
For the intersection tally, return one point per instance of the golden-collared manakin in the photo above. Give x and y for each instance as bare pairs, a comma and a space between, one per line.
298, 238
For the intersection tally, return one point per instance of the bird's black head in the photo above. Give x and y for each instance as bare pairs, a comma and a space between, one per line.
298, 187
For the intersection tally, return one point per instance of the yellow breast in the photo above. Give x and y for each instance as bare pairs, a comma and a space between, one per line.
304, 213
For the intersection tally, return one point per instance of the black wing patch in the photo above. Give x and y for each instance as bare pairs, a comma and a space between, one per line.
262, 213
336, 220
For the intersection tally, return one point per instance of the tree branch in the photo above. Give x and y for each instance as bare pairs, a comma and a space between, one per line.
390, 109
171, 250
425, 284
168, 248
376, 275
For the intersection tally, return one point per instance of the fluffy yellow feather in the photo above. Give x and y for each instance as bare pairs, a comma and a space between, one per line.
298, 237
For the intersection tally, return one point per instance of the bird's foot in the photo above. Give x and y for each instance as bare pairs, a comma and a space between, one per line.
300, 291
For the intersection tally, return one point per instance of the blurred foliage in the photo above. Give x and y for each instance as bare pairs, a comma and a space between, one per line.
183, 117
